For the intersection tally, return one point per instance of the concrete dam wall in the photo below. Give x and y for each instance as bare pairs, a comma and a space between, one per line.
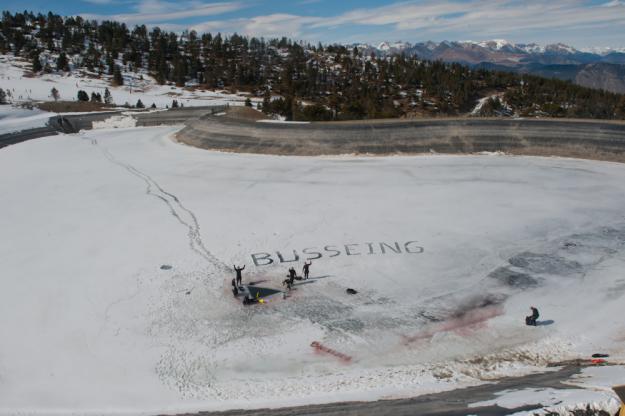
600, 140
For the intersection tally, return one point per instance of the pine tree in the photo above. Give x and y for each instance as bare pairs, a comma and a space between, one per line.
95, 98
3, 97
108, 99
174, 104
153, 105
37, 63
110, 63
55, 94
248, 102
83, 96
140, 104
61, 63
267, 101
620, 108
118, 79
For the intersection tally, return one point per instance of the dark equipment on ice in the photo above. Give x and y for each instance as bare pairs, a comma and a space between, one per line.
531, 320
351, 291
249, 300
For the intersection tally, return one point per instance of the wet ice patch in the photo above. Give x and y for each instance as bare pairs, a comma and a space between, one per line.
511, 278
567, 257
541, 263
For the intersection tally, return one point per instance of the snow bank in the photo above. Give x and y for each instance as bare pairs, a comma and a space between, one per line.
555, 401
91, 323
115, 122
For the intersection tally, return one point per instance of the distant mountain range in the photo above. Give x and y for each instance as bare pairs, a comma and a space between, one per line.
596, 68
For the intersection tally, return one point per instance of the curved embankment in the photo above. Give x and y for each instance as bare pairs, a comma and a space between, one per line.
73, 123
602, 140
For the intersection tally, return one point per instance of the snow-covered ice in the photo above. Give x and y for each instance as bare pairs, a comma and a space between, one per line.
447, 253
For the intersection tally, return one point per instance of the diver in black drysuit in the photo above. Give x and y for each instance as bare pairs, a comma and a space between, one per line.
239, 270
290, 278
306, 269
531, 320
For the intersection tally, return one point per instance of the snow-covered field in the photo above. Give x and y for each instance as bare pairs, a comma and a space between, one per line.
23, 89
447, 253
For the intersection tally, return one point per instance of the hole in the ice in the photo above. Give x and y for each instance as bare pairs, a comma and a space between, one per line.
166, 267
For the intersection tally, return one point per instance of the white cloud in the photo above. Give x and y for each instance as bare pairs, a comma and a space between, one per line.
614, 3
410, 19
483, 16
156, 11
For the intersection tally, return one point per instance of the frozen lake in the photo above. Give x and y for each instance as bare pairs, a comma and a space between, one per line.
447, 254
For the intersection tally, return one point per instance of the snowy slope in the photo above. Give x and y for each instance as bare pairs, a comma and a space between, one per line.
22, 88
90, 323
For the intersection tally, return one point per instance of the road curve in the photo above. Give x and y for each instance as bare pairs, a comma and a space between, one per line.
600, 140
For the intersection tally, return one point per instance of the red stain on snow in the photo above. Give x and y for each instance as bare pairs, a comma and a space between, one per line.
462, 325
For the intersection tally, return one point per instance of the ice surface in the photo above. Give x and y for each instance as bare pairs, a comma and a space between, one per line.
90, 322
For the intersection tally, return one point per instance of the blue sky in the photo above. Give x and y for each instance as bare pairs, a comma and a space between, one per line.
580, 23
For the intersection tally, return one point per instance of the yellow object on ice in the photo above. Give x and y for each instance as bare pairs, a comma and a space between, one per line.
262, 301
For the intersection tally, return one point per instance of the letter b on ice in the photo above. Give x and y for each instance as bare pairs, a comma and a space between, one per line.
262, 259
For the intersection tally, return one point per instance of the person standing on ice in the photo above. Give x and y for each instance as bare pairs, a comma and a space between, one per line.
306, 269
292, 274
239, 277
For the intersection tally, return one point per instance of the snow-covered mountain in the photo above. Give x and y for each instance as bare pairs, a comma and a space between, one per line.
499, 49
554, 60
393, 46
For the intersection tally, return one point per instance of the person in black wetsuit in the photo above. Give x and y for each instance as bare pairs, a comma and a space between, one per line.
306, 269
292, 275
531, 320
239, 270
235, 290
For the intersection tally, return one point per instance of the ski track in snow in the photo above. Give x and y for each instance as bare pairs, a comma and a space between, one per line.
176, 208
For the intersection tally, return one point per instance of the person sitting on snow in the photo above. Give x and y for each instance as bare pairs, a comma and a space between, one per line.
531, 320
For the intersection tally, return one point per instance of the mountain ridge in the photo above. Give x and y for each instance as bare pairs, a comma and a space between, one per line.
556, 60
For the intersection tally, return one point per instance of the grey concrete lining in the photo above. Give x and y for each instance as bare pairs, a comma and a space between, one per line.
602, 140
